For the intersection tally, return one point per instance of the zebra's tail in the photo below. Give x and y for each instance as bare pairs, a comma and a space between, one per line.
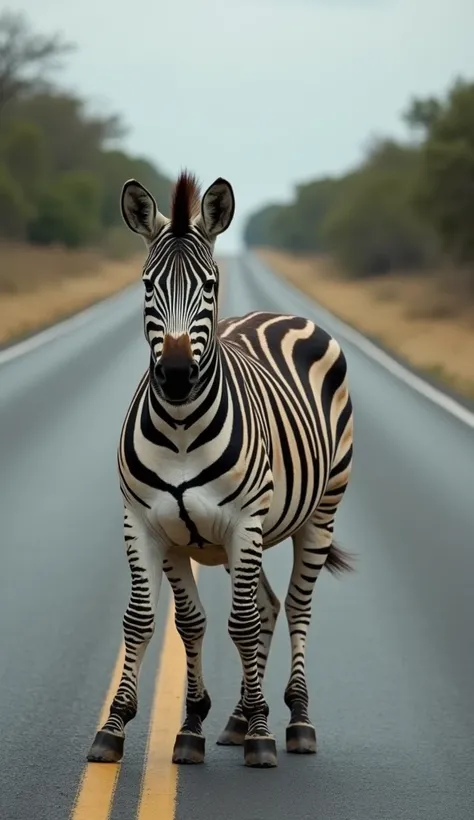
339, 560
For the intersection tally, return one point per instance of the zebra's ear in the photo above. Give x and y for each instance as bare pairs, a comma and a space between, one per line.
217, 207
139, 210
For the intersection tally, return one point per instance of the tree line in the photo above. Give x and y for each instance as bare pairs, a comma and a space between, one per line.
61, 166
409, 205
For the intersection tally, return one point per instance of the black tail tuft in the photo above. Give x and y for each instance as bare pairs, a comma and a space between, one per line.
338, 560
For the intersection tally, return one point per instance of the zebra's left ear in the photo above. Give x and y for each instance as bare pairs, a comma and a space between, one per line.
139, 210
217, 207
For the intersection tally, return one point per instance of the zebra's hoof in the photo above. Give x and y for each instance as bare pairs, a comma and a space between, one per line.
234, 733
301, 739
106, 748
260, 752
189, 748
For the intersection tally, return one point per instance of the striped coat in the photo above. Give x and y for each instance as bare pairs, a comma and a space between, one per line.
238, 437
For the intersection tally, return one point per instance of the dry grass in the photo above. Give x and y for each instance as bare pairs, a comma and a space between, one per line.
419, 317
39, 286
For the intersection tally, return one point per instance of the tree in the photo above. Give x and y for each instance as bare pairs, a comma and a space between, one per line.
26, 59
295, 226
374, 229
445, 193
23, 152
312, 203
421, 115
74, 138
258, 229
68, 211
406, 205
61, 165
15, 210
114, 169
387, 154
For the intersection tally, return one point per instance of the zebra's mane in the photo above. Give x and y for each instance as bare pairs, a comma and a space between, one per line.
184, 203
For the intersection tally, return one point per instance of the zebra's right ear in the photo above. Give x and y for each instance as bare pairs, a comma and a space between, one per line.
139, 210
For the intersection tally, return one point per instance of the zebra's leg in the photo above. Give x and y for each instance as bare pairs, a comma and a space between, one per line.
145, 558
310, 548
269, 608
313, 547
190, 620
245, 561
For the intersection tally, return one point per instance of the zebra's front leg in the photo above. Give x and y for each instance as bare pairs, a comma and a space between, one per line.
269, 608
245, 560
145, 558
190, 620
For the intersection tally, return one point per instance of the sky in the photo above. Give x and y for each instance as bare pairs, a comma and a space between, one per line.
266, 93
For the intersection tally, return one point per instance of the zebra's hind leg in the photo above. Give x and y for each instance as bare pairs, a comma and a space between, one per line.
313, 547
269, 608
190, 620
145, 559
245, 561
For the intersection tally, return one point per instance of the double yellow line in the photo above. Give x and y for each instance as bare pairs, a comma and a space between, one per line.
95, 796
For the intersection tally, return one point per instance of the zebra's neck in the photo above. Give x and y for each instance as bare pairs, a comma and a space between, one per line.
194, 412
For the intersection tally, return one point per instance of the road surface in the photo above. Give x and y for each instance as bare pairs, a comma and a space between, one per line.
391, 660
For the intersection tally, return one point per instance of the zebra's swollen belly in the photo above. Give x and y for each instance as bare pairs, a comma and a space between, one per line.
195, 524
191, 523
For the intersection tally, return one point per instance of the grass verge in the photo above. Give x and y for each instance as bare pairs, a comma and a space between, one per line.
39, 286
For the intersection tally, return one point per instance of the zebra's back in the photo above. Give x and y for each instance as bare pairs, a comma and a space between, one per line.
294, 375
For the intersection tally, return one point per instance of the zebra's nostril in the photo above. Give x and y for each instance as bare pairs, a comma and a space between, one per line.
160, 374
166, 373
193, 372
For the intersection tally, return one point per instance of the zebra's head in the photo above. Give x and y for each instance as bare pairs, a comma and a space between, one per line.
181, 279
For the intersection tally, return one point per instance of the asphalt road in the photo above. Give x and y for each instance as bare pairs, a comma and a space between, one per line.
390, 661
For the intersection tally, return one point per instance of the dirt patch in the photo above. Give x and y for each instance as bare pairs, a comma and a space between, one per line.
420, 317
40, 286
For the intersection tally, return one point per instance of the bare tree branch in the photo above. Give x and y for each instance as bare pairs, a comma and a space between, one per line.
26, 59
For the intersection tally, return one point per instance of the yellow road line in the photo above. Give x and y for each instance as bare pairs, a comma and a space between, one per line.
160, 780
96, 790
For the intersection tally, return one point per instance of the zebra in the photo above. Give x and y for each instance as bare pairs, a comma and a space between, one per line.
239, 436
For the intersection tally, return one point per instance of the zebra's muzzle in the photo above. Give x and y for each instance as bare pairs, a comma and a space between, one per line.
176, 372
176, 377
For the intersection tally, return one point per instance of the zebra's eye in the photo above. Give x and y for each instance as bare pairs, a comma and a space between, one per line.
148, 287
208, 286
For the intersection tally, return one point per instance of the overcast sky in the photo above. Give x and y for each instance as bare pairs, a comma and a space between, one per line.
264, 92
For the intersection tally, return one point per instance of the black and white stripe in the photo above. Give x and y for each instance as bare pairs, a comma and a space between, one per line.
239, 436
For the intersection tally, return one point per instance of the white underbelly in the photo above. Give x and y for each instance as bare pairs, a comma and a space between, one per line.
193, 519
